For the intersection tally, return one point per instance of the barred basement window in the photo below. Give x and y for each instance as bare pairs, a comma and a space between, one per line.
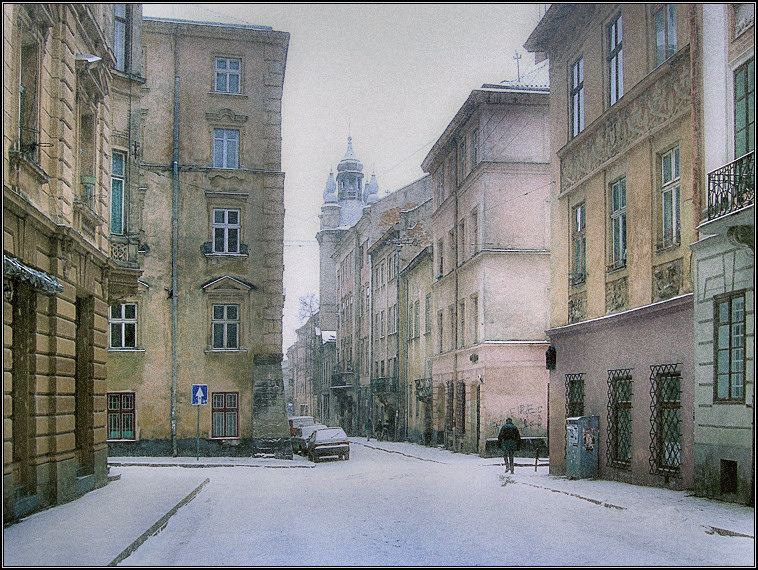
665, 419
225, 410
574, 395
121, 416
619, 451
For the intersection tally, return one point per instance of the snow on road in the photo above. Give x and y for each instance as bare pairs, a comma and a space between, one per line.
438, 508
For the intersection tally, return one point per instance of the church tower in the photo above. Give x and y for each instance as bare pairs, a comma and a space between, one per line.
344, 200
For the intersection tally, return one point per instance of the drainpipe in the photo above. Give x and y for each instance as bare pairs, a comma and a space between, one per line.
398, 249
695, 85
174, 242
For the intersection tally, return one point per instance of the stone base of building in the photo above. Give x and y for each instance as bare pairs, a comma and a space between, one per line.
56, 483
279, 448
725, 472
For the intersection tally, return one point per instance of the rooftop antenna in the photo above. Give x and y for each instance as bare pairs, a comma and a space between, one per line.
517, 57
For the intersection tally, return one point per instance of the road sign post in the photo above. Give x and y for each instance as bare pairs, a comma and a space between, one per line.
199, 398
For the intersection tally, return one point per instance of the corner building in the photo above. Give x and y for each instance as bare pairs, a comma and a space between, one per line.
490, 173
60, 121
624, 210
209, 225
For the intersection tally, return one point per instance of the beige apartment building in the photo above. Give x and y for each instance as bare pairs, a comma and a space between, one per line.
491, 235
625, 207
62, 117
417, 345
207, 212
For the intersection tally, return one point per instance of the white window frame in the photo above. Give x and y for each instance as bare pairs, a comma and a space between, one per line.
226, 147
615, 61
120, 324
221, 320
670, 194
577, 97
225, 228
227, 73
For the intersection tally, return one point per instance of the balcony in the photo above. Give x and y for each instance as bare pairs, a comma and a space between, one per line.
731, 196
731, 187
384, 385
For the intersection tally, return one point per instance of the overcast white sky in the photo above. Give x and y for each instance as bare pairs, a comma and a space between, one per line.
392, 75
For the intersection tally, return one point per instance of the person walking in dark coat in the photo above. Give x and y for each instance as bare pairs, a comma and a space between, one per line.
509, 440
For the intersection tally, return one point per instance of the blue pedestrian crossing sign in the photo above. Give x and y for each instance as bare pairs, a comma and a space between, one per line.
199, 394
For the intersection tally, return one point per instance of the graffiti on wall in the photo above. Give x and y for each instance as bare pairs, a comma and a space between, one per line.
528, 418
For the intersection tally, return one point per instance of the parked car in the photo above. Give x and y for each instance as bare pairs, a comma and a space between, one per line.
301, 434
299, 421
328, 442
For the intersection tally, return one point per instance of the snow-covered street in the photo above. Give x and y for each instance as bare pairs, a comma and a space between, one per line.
404, 504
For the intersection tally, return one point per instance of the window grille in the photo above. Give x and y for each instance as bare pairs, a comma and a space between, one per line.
574, 395
460, 408
665, 419
619, 450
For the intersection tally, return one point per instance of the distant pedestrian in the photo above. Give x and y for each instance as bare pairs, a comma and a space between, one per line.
509, 440
369, 427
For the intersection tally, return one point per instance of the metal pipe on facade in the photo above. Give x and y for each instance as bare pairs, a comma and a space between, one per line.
174, 242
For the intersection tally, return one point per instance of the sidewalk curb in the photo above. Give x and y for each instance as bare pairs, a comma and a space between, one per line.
158, 525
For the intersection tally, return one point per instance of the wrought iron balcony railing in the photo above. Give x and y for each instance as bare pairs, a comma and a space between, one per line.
731, 187
384, 385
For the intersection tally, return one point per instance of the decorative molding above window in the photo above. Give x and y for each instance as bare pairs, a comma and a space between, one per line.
226, 116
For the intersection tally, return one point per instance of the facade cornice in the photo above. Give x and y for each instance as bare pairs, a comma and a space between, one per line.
675, 304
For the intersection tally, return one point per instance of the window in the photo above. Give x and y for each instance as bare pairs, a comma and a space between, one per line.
226, 231
228, 74
475, 318
225, 412
441, 185
579, 245
226, 144
577, 97
440, 331
416, 319
615, 62
460, 408
225, 327
462, 161
440, 258
618, 223
665, 33
462, 242
121, 29
123, 326
475, 148
381, 324
744, 109
729, 346
574, 395
619, 452
462, 327
670, 197
28, 119
121, 415
475, 231
428, 314
665, 419
117, 192
453, 335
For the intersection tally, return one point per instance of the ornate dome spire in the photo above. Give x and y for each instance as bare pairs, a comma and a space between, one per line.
372, 190
330, 189
349, 162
